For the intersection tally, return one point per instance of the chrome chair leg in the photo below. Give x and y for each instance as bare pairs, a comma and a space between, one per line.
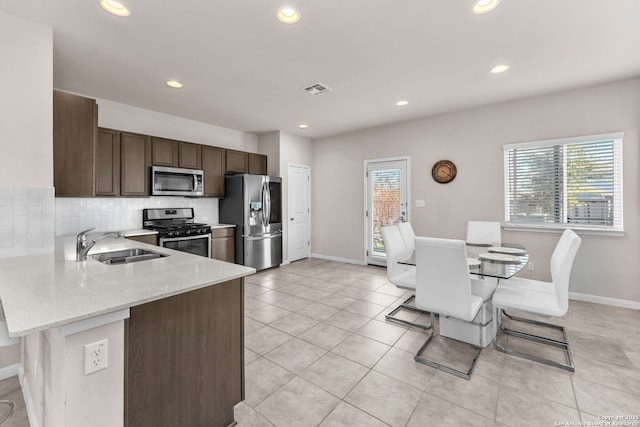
392, 314
462, 374
564, 345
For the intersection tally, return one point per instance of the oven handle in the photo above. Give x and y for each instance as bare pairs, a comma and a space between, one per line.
173, 239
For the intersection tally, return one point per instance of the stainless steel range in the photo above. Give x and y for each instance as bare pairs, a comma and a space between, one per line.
177, 230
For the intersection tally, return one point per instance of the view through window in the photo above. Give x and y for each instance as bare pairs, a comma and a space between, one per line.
571, 182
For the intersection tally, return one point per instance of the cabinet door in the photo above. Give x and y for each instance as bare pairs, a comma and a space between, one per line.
213, 168
237, 161
108, 163
223, 244
189, 156
75, 130
184, 358
164, 152
257, 164
135, 156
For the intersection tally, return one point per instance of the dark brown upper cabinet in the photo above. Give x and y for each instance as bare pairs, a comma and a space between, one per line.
75, 132
189, 155
213, 165
237, 161
164, 152
135, 159
108, 163
257, 164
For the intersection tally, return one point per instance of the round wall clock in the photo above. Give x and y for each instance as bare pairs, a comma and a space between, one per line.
444, 171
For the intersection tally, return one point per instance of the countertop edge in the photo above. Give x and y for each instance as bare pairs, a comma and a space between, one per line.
44, 327
15, 312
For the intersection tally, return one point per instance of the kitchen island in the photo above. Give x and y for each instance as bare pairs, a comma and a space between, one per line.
174, 326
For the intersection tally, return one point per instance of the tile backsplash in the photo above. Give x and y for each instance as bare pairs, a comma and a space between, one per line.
26, 220
73, 215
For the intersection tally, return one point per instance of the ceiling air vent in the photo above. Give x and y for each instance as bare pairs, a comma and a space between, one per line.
317, 89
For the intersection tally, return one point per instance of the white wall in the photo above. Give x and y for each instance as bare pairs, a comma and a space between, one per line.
133, 119
283, 149
269, 145
26, 115
606, 266
26, 152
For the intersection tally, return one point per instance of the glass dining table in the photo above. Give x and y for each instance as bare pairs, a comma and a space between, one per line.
488, 260
485, 260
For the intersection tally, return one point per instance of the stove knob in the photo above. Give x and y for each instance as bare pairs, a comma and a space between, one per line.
188, 232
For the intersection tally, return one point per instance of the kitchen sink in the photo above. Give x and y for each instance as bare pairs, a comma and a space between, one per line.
126, 256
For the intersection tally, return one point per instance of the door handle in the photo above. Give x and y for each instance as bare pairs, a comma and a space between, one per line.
292, 219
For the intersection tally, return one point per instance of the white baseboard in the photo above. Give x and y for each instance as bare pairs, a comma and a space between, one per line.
623, 303
17, 369
11, 370
338, 259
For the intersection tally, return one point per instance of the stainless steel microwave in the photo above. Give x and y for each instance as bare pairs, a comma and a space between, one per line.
167, 181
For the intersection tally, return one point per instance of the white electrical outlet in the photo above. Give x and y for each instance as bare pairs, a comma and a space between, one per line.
420, 204
531, 266
95, 356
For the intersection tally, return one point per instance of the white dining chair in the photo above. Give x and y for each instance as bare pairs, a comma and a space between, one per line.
546, 299
443, 286
408, 236
401, 275
482, 231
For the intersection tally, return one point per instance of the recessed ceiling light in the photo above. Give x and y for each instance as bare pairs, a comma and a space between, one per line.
287, 15
500, 68
402, 103
174, 84
114, 7
485, 6
303, 126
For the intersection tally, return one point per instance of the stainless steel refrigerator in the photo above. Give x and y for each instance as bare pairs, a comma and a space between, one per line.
254, 204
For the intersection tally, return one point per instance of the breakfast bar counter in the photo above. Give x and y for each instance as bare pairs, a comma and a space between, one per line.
43, 291
173, 328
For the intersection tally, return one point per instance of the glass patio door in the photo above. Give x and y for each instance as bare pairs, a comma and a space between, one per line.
386, 203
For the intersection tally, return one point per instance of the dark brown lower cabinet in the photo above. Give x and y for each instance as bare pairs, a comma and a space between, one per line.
223, 244
184, 358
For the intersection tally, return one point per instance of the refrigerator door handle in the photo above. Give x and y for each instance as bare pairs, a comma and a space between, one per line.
268, 200
264, 206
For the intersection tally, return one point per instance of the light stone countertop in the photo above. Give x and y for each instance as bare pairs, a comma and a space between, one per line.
39, 292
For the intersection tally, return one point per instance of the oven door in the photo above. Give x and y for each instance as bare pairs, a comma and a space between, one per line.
196, 245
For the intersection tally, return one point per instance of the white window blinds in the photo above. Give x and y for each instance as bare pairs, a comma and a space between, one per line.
570, 182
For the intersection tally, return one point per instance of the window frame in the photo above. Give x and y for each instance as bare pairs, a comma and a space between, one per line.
618, 226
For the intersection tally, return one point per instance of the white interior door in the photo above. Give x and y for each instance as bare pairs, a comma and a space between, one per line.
299, 241
386, 203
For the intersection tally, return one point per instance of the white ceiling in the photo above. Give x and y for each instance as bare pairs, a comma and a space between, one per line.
245, 70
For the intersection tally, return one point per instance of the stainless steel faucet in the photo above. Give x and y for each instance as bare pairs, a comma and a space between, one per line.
83, 246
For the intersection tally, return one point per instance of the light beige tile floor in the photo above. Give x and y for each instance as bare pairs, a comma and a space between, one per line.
320, 353
10, 390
